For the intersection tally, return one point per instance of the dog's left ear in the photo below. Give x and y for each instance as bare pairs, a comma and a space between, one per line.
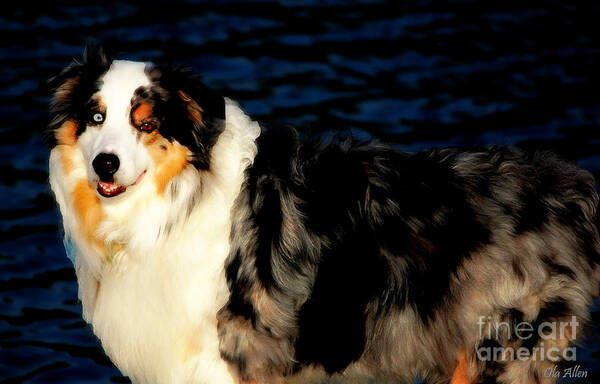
196, 114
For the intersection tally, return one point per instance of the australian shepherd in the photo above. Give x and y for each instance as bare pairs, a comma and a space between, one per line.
211, 249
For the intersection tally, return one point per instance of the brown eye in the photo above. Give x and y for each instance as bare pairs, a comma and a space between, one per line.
147, 127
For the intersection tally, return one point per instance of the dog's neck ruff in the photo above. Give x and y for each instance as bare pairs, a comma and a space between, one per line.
154, 304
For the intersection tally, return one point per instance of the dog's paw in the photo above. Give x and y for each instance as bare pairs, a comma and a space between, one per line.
255, 356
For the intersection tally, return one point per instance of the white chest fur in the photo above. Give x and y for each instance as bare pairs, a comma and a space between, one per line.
156, 319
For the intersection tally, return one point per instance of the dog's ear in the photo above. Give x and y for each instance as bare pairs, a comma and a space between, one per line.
94, 62
195, 115
72, 87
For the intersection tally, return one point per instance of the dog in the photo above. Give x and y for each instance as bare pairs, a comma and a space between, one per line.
211, 249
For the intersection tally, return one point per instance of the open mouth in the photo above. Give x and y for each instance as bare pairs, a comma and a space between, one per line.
110, 189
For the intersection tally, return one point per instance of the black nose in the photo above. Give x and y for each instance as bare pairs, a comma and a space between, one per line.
105, 165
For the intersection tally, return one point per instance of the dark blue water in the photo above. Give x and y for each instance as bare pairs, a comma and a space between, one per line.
416, 73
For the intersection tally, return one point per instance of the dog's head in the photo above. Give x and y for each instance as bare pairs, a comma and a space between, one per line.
131, 119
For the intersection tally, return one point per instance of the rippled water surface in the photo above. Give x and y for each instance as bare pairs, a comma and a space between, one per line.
417, 73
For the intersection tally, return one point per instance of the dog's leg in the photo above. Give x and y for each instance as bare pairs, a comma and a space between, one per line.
255, 355
460, 375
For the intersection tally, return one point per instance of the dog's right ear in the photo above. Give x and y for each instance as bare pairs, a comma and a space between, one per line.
73, 86
94, 62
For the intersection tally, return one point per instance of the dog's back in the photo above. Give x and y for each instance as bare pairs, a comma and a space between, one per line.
378, 263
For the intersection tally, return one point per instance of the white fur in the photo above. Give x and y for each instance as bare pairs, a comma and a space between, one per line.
116, 135
153, 304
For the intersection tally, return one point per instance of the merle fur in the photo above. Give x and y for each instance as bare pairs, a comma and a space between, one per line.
331, 241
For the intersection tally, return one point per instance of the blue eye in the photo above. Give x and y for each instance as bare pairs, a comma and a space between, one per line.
98, 117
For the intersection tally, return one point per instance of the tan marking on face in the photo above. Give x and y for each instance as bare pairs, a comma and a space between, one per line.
170, 158
66, 137
88, 209
67, 133
141, 113
66, 158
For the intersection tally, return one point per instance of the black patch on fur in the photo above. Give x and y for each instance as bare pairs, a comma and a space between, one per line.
532, 212
445, 221
237, 304
175, 93
74, 102
332, 322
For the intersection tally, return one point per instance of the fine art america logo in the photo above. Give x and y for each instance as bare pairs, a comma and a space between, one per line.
547, 341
